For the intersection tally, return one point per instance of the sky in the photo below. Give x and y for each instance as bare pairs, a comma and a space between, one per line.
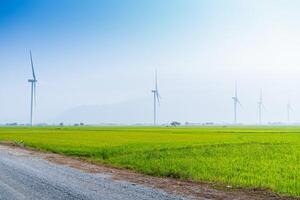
95, 60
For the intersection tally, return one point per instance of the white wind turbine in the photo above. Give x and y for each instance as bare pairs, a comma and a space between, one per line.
33, 82
156, 100
236, 101
260, 107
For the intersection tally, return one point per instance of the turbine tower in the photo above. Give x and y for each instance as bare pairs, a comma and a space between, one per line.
260, 107
289, 109
156, 100
33, 82
236, 101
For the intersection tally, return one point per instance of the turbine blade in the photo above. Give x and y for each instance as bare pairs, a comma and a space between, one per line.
32, 67
158, 98
158, 95
238, 101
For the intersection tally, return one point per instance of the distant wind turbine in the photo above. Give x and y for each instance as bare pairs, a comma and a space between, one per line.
236, 101
260, 107
156, 99
33, 82
289, 109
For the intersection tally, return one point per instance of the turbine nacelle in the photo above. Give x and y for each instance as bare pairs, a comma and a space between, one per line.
32, 81
236, 100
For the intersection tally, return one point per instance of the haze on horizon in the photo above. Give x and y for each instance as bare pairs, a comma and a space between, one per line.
97, 59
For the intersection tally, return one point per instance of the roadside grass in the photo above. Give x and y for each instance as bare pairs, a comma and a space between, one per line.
254, 157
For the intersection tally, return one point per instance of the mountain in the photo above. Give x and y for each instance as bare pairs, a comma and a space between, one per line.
130, 112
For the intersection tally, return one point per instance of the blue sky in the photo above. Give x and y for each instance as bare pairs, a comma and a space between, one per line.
98, 53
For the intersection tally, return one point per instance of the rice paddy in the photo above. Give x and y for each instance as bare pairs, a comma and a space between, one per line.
250, 157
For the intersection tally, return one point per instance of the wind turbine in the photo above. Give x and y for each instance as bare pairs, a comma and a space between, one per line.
33, 82
236, 101
289, 109
260, 107
156, 99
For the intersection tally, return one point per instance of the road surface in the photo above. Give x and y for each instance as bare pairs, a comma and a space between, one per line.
23, 176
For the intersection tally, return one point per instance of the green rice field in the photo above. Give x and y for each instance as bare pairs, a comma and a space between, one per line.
250, 157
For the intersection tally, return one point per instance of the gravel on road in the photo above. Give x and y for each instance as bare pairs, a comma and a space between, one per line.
23, 176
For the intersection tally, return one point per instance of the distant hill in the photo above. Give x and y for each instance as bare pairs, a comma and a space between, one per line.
130, 112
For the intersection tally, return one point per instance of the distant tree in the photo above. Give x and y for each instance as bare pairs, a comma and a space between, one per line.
12, 124
61, 124
174, 123
81, 124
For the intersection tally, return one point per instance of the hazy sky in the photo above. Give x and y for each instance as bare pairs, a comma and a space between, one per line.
101, 53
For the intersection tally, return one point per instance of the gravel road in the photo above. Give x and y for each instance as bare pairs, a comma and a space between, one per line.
23, 176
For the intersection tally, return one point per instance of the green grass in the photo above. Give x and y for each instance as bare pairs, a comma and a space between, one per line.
251, 157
